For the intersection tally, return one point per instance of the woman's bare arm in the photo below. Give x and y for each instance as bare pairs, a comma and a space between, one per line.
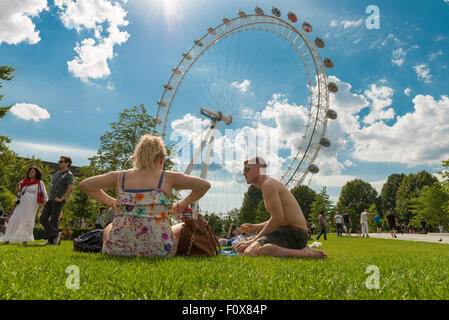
181, 181
94, 187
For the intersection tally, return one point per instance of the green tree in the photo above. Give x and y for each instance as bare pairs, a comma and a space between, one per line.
410, 188
7, 156
305, 197
6, 198
79, 205
117, 145
389, 191
5, 74
232, 217
214, 222
356, 196
322, 203
262, 214
429, 205
372, 211
250, 204
445, 183
14, 169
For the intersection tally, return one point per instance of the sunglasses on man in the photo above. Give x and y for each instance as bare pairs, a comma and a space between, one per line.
246, 169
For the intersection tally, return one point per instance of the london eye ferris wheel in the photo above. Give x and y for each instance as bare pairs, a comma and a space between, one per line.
255, 74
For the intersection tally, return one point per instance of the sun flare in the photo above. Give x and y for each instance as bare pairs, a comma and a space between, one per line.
169, 9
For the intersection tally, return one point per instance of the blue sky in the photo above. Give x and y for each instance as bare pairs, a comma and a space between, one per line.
80, 63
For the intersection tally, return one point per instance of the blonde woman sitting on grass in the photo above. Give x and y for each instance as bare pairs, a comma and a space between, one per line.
141, 227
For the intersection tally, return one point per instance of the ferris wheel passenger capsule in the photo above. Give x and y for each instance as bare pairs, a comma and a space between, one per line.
176, 70
161, 103
307, 27
325, 142
313, 168
226, 21
198, 43
331, 114
259, 11
242, 14
328, 63
292, 17
332, 87
168, 86
319, 43
186, 55
212, 31
276, 12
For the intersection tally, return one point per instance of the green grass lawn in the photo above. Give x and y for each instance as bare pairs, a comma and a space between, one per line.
407, 270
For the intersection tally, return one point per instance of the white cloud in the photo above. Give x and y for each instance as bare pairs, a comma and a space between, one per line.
110, 86
418, 137
407, 91
16, 25
290, 121
381, 43
380, 99
348, 163
346, 23
28, 111
433, 55
99, 16
243, 86
350, 24
398, 56
398, 62
423, 73
348, 105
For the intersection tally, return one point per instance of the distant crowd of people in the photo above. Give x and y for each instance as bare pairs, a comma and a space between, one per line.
344, 223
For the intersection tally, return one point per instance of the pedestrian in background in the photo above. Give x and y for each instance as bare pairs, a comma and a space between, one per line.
339, 223
322, 224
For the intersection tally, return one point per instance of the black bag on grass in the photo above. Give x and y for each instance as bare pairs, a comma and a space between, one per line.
91, 241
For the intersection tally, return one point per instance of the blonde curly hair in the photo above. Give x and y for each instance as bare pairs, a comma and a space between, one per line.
147, 151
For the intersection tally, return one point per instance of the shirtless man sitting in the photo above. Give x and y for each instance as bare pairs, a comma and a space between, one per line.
285, 233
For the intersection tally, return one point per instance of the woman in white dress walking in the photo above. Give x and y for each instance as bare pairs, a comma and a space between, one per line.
21, 223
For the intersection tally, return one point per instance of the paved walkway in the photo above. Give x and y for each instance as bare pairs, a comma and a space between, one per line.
430, 237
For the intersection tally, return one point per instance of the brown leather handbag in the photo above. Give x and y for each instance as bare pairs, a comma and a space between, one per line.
197, 238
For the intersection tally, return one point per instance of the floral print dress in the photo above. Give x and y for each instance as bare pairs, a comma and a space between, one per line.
142, 227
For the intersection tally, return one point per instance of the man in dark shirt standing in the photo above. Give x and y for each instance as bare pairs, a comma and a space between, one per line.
348, 223
60, 188
391, 219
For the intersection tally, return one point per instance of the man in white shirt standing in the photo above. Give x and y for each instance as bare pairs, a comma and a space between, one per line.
364, 223
338, 219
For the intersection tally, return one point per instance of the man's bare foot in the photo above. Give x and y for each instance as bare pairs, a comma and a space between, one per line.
314, 254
